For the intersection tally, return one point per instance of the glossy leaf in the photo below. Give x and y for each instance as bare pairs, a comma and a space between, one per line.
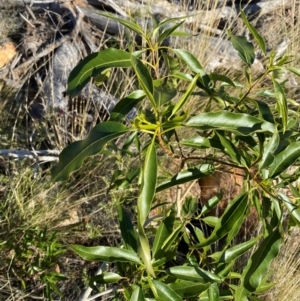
244, 48
240, 123
127, 231
202, 143
185, 97
236, 251
168, 31
93, 65
201, 171
258, 38
162, 292
105, 278
108, 254
72, 157
163, 232
281, 104
187, 289
137, 295
269, 151
147, 190
195, 274
232, 214
260, 261
126, 104
212, 203
129, 24
285, 159
144, 78
213, 292
293, 209
163, 94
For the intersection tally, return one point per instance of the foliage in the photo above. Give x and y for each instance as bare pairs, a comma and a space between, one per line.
239, 128
35, 255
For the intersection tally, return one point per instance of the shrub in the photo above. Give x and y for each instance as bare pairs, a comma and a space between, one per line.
240, 128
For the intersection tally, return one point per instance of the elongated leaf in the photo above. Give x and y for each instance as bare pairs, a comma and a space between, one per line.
258, 38
213, 292
137, 295
187, 289
236, 251
194, 65
107, 277
147, 191
71, 158
244, 48
232, 214
241, 123
129, 24
93, 65
285, 159
260, 261
221, 78
168, 31
162, 292
108, 254
269, 150
163, 232
144, 250
126, 104
201, 171
293, 209
203, 143
231, 150
128, 233
210, 204
294, 70
281, 103
195, 274
185, 97
144, 78
163, 94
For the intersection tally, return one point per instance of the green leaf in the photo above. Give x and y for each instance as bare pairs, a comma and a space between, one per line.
149, 177
107, 277
93, 65
232, 214
244, 48
213, 292
187, 289
211, 204
130, 25
137, 295
126, 104
163, 93
203, 143
285, 159
281, 103
108, 254
163, 232
71, 158
294, 70
236, 251
292, 208
260, 261
231, 150
144, 78
127, 231
258, 38
221, 78
185, 97
162, 292
269, 151
240, 123
167, 32
201, 171
195, 274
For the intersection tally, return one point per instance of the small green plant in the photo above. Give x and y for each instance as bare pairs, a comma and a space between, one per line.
239, 128
36, 256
